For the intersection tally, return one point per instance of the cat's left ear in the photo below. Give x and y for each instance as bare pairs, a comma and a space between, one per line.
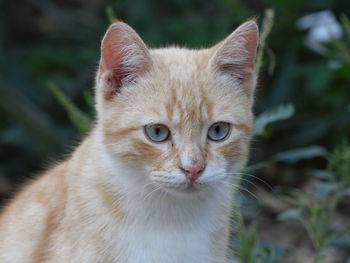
124, 58
234, 57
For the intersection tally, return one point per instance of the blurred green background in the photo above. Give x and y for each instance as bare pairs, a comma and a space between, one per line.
49, 52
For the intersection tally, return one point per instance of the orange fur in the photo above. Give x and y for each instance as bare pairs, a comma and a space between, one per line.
122, 197
121, 133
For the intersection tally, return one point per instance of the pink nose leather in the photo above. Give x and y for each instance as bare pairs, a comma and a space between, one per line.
192, 172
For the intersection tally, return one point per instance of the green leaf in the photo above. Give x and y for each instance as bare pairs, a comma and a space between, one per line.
316, 210
266, 29
272, 252
279, 113
78, 118
339, 163
346, 24
297, 154
341, 241
324, 188
292, 213
110, 14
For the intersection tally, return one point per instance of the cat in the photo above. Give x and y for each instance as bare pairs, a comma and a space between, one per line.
154, 181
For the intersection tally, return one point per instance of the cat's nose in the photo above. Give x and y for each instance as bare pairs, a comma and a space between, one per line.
192, 172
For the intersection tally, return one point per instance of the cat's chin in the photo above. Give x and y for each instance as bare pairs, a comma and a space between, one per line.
186, 189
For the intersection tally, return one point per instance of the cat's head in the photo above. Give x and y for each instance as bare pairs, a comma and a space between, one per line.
183, 117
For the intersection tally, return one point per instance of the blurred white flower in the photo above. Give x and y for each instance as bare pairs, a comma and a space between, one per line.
323, 27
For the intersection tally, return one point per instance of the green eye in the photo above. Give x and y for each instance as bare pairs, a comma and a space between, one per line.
157, 132
219, 131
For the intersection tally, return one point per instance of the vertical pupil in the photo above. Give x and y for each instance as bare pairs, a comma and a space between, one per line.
157, 130
217, 129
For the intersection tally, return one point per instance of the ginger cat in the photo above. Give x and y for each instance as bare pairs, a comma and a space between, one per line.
152, 183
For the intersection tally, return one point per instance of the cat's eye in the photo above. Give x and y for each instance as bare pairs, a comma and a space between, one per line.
157, 132
219, 131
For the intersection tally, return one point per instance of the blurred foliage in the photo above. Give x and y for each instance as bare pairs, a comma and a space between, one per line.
316, 207
264, 122
250, 250
339, 163
78, 118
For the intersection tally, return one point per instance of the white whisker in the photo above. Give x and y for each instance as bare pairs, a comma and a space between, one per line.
250, 182
253, 176
150, 193
239, 188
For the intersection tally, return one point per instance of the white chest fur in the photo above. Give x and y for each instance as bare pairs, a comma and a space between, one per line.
169, 232
166, 245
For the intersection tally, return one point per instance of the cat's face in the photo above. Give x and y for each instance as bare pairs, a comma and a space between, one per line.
181, 116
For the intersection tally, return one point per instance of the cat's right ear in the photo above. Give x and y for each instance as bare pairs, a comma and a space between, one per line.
124, 58
235, 57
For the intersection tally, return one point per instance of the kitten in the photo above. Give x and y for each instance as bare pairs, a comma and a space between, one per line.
152, 183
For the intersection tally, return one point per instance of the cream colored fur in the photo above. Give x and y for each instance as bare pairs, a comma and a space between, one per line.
121, 197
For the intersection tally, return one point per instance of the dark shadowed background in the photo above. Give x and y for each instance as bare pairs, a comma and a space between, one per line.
295, 197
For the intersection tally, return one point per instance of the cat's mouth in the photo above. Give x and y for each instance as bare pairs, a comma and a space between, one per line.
173, 185
186, 187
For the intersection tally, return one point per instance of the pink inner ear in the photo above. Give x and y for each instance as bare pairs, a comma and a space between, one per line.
113, 80
111, 62
123, 57
251, 45
236, 56
115, 72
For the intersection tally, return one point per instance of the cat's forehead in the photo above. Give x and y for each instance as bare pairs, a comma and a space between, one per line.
181, 64
183, 90
179, 75
182, 73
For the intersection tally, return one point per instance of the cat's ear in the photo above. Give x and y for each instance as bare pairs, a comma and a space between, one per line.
124, 58
234, 57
